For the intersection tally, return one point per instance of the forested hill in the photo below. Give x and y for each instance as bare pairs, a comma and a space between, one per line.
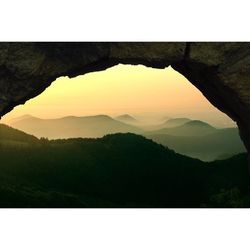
119, 170
10, 134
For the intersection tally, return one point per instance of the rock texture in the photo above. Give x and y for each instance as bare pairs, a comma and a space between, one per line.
220, 70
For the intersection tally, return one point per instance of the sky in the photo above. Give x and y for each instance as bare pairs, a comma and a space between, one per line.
137, 90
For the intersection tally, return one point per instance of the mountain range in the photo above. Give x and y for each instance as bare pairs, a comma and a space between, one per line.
189, 128
193, 138
118, 170
72, 126
200, 140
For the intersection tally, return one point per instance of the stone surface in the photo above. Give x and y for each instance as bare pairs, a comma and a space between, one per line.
220, 70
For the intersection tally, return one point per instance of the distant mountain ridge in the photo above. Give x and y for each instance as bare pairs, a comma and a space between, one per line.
23, 117
190, 128
200, 140
126, 118
194, 138
73, 126
174, 122
168, 123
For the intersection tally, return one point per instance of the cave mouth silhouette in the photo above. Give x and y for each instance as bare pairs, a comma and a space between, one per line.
150, 95
220, 70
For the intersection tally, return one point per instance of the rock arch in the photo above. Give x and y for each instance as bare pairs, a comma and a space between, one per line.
221, 71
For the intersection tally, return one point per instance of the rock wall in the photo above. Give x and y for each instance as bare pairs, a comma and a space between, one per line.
221, 71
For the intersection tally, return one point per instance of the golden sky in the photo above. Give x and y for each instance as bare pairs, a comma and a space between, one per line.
117, 90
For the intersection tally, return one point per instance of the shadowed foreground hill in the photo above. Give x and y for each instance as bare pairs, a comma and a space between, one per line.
10, 135
120, 170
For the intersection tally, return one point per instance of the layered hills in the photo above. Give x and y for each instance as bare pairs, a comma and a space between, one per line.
192, 138
119, 170
200, 140
72, 126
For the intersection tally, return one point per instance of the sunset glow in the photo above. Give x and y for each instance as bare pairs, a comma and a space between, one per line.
121, 89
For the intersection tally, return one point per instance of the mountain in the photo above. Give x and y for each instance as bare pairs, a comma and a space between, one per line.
23, 117
72, 126
191, 128
119, 170
195, 138
222, 143
175, 122
127, 119
11, 136
168, 123
123, 169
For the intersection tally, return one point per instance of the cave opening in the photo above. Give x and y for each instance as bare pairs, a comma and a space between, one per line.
144, 141
152, 102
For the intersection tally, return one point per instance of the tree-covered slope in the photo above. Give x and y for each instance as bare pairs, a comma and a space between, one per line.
119, 170
9, 134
